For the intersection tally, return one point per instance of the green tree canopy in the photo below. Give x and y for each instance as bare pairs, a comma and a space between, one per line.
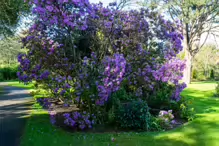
9, 49
11, 12
205, 61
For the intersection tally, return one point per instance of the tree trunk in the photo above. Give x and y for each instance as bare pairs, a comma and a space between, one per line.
188, 56
188, 69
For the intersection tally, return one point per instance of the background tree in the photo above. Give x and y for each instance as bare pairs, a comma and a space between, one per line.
11, 12
205, 62
197, 17
9, 49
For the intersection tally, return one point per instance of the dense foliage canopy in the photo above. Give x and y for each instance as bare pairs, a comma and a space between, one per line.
12, 11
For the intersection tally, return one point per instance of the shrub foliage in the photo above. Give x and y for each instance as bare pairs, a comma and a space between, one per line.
86, 53
8, 73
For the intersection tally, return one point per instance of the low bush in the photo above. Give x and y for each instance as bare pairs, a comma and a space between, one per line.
161, 97
166, 118
181, 109
156, 124
201, 77
8, 73
79, 120
166, 97
187, 112
117, 98
134, 115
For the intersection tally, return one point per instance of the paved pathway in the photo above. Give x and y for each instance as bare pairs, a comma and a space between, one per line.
15, 106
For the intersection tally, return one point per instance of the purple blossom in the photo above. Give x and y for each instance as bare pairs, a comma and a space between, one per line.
63, 92
79, 120
176, 93
113, 4
113, 76
173, 122
49, 8
56, 90
67, 86
52, 120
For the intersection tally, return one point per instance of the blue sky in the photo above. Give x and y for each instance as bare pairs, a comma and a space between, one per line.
105, 2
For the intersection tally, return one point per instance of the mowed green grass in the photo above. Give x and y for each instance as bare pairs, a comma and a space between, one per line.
20, 85
203, 131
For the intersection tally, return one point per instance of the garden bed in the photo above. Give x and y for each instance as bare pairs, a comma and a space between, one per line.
59, 108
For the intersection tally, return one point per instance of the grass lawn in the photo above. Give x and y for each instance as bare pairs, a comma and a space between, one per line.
20, 85
203, 131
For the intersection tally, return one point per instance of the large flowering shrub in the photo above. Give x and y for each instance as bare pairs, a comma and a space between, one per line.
84, 52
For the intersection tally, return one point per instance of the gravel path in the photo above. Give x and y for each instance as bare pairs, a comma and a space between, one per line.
15, 105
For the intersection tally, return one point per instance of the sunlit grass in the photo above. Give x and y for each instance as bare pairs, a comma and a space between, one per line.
30, 87
203, 131
20, 85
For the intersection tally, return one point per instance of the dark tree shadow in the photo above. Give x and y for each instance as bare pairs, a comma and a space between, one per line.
15, 106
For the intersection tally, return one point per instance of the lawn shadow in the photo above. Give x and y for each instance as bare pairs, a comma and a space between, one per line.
13, 118
202, 101
15, 108
13, 93
197, 133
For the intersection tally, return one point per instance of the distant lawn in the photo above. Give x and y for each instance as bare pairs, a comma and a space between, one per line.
9, 81
20, 85
29, 86
203, 131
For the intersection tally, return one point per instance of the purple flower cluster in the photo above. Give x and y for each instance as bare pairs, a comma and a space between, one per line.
25, 65
112, 77
32, 69
86, 79
79, 120
139, 70
44, 75
171, 71
166, 116
44, 102
62, 13
52, 115
178, 89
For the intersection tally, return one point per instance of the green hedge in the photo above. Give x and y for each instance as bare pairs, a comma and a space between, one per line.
8, 73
